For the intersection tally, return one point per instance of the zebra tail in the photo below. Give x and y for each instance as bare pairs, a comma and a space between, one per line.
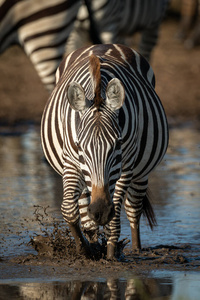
148, 210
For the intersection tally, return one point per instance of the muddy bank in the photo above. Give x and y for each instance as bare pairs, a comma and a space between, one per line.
56, 247
162, 257
54, 254
177, 81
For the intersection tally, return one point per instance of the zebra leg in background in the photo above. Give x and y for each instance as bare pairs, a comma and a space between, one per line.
73, 185
149, 37
134, 208
188, 11
194, 38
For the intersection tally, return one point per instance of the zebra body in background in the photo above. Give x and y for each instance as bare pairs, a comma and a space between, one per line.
115, 20
104, 130
41, 28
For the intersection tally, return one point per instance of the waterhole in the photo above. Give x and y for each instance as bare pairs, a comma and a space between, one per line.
30, 198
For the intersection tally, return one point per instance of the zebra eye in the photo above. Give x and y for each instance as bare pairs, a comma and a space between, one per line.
77, 144
120, 140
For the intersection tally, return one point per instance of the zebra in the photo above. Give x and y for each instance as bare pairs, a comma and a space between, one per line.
41, 28
116, 20
190, 17
104, 130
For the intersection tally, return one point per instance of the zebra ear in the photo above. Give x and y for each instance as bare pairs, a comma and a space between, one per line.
115, 94
76, 97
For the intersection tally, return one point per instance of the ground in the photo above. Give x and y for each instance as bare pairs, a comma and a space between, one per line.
23, 96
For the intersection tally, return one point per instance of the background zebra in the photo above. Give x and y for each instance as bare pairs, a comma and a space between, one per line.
115, 20
41, 28
190, 19
104, 130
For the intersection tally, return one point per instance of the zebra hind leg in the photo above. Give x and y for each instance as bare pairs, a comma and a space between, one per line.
134, 211
137, 202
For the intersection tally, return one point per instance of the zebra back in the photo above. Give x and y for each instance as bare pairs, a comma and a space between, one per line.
116, 20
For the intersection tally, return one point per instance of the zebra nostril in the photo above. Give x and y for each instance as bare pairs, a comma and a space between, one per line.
97, 216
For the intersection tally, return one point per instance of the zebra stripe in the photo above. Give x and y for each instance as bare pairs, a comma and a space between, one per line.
41, 28
115, 20
102, 153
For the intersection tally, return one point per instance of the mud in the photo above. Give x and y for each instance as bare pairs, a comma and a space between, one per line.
55, 252
58, 246
179, 257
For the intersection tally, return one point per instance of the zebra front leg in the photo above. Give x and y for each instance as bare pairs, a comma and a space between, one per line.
112, 231
89, 226
82, 244
72, 188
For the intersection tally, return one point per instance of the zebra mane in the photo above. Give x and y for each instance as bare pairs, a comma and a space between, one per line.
96, 79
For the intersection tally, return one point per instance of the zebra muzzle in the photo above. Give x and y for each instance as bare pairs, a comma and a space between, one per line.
101, 212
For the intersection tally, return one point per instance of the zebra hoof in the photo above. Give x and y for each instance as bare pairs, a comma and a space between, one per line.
90, 250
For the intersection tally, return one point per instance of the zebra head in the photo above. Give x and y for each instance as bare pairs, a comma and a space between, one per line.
99, 144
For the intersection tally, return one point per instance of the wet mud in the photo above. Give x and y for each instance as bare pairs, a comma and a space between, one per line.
59, 245
179, 257
55, 252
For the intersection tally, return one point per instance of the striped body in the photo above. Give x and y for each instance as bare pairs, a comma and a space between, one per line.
41, 28
101, 153
115, 20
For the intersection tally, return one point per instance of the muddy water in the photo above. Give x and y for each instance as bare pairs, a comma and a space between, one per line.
30, 197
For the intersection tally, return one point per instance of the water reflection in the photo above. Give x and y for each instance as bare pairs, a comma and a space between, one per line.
172, 286
134, 288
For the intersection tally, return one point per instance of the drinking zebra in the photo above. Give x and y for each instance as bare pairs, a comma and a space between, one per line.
41, 28
115, 20
104, 130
